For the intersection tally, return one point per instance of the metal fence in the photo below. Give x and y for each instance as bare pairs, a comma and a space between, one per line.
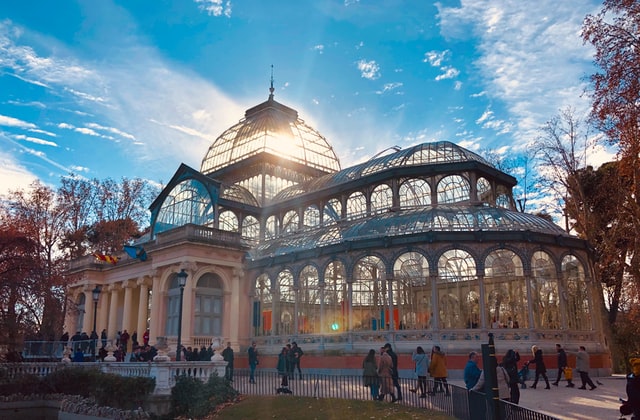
456, 402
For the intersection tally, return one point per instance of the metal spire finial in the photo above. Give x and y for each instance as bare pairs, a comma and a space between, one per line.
271, 89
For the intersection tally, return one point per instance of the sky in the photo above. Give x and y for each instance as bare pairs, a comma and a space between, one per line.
120, 88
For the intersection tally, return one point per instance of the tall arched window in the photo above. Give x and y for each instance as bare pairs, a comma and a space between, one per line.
173, 306
208, 306
336, 299
188, 202
290, 222
381, 199
271, 228
456, 280
544, 289
415, 193
453, 189
250, 228
370, 295
413, 290
309, 295
484, 190
262, 306
284, 306
505, 290
356, 205
576, 295
311, 217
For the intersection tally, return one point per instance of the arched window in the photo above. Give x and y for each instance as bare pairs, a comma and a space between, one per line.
370, 295
413, 290
173, 305
456, 280
228, 221
332, 212
505, 290
290, 222
381, 199
262, 306
271, 228
453, 189
484, 190
208, 306
414, 193
309, 294
576, 295
250, 228
336, 300
188, 202
544, 290
356, 205
284, 306
311, 217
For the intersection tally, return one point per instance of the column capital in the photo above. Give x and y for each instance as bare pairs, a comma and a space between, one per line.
144, 281
129, 284
114, 287
188, 266
237, 272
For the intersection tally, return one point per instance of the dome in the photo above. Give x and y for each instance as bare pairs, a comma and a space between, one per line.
275, 129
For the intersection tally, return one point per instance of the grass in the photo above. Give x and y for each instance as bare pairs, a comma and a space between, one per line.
291, 407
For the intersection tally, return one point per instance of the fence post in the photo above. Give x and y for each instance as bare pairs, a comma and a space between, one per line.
161, 371
490, 380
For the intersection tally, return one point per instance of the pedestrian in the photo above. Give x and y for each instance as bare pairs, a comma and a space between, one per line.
253, 362
296, 356
541, 369
510, 364
471, 371
421, 360
582, 366
145, 337
394, 373
370, 377
563, 367
227, 355
124, 340
438, 371
283, 368
103, 338
134, 339
385, 372
502, 379
633, 387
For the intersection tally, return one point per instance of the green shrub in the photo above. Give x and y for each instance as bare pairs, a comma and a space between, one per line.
191, 397
127, 393
25, 385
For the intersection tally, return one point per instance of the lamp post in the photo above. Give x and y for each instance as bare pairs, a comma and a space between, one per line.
182, 280
96, 296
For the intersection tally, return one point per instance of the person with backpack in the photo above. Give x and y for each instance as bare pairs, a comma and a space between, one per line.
510, 364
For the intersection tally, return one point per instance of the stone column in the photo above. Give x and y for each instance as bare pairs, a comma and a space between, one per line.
234, 311
154, 316
112, 328
127, 324
103, 310
188, 302
143, 306
87, 319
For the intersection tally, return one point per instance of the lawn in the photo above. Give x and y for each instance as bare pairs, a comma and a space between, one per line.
290, 407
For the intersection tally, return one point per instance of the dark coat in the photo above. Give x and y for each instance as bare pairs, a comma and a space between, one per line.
539, 362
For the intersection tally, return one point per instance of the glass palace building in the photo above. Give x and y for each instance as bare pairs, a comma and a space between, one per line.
417, 246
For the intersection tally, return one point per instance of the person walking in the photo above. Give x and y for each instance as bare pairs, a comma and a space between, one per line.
283, 369
394, 373
385, 372
471, 371
103, 338
633, 387
510, 364
563, 365
253, 362
438, 371
227, 356
297, 355
582, 366
421, 360
502, 378
370, 377
541, 369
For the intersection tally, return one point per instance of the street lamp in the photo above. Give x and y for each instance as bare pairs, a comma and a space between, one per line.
96, 296
182, 280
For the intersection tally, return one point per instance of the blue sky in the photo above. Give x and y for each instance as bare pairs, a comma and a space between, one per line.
106, 88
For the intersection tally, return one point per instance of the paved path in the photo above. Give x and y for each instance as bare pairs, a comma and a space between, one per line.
573, 403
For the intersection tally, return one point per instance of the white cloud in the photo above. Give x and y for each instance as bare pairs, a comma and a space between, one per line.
110, 130
13, 176
35, 140
369, 69
388, 87
14, 122
319, 48
449, 73
215, 7
435, 58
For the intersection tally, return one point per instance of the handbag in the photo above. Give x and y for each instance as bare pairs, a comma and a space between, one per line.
568, 373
